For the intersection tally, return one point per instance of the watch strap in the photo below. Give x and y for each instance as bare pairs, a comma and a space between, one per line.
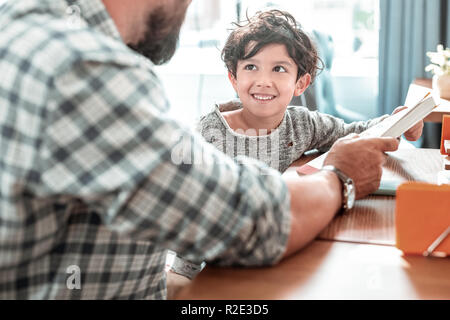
345, 181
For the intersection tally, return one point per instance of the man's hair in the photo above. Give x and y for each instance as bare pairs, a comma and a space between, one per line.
267, 27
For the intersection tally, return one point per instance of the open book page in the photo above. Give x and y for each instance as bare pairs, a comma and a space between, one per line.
372, 220
393, 126
416, 92
389, 182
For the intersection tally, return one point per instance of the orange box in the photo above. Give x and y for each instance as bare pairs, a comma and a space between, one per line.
445, 135
422, 214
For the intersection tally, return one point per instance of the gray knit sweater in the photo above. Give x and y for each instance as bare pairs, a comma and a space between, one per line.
300, 130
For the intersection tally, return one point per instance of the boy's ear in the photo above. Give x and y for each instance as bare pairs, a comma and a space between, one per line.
302, 84
232, 80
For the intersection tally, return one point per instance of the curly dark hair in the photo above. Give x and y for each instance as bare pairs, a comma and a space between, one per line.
267, 27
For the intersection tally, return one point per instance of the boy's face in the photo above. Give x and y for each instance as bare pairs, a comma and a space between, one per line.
267, 81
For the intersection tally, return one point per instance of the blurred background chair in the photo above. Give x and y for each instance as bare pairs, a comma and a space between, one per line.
320, 95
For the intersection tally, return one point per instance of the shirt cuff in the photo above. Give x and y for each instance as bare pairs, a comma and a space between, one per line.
186, 268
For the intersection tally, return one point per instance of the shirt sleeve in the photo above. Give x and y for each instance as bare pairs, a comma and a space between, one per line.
108, 143
326, 129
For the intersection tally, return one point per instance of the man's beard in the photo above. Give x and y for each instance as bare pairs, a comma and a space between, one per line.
158, 47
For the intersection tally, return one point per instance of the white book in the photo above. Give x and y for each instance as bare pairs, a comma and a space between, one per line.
397, 124
393, 126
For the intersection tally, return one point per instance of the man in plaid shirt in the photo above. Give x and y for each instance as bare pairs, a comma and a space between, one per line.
92, 194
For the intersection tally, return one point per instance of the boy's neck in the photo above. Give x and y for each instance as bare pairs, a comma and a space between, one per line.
243, 120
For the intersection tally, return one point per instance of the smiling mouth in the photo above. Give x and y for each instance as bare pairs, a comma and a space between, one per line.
263, 97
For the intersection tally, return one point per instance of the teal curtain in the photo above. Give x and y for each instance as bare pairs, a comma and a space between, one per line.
408, 29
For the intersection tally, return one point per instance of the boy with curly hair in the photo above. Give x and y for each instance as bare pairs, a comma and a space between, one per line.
270, 59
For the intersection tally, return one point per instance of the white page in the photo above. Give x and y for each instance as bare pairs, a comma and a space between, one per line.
394, 126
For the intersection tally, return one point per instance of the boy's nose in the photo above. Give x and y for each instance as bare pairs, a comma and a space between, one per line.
264, 81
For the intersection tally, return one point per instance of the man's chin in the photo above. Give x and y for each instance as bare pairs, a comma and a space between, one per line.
161, 39
159, 52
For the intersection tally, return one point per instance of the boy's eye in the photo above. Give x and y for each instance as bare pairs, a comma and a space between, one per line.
279, 69
250, 67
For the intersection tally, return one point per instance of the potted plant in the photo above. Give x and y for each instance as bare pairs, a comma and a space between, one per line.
440, 67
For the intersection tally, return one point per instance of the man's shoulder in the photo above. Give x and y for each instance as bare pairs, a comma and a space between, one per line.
52, 43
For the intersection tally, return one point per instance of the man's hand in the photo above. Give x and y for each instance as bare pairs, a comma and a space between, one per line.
316, 198
361, 159
415, 131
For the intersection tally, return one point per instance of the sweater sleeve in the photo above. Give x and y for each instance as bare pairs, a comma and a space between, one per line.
326, 129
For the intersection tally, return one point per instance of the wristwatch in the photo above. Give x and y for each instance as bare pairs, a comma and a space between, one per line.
348, 187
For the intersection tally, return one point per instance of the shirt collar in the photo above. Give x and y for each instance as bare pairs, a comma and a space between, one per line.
96, 16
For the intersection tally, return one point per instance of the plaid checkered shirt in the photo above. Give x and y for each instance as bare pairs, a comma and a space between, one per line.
95, 180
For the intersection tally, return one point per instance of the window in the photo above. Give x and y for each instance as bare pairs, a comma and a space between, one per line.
353, 25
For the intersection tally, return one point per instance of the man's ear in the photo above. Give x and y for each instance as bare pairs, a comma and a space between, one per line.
302, 84
232, 80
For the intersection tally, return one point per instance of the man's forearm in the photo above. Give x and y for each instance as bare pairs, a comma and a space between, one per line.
315, 199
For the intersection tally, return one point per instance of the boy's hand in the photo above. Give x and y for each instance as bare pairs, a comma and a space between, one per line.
361, 159
415, 132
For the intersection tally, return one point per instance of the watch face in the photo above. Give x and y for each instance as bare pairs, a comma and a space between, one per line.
350, 195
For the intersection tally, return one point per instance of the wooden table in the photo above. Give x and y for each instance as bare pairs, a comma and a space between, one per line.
419, 88
353, 258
